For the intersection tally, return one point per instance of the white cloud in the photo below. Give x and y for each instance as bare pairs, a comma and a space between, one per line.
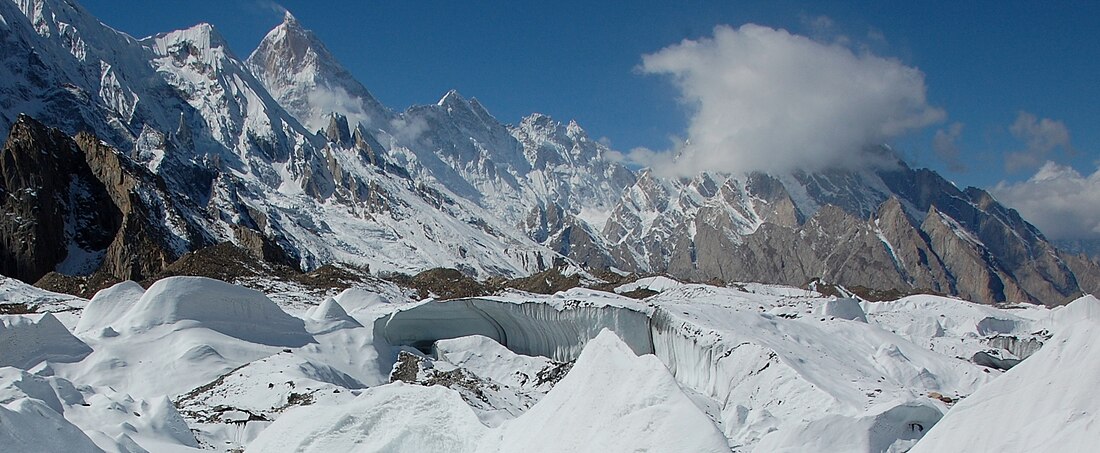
325, 100
408, 130
1058, 200
1040, 136
764, 99
946, 148
268, 5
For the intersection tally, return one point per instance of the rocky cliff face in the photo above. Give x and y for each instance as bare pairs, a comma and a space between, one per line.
897, 228
57, 214
81, 208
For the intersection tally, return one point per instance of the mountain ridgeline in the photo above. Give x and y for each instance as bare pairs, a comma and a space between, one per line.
124, 154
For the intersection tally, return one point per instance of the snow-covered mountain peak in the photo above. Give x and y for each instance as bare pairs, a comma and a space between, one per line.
200, 39
452, 99
289, 19
305, 77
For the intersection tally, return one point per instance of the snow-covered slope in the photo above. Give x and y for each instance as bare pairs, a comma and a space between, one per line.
304, 77
195, 363
1047, 403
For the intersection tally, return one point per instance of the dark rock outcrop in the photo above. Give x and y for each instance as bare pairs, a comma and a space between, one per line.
57, 214
82, 215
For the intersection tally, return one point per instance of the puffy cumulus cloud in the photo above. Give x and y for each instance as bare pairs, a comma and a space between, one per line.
1040, 137
765, 99
946, 148
1058, 200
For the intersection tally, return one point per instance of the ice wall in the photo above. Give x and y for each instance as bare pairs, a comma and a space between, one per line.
529, 328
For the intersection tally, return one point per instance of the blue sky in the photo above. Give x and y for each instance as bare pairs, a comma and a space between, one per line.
983, 62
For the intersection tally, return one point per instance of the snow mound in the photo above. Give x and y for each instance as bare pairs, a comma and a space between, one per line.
613, 401
1083, 308
329, 317
1046, 403
107, 306
356, 299
29, 425
489, 359
893, 430
656, 284
27, 340
55, 393
229, 309
392, 418
844, 308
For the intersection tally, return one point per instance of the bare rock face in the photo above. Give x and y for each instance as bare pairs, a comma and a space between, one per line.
896, 230
79, 208
58, 215
155, 229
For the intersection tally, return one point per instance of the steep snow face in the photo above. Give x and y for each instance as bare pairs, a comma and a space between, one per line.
656, 216
392, 418
27, 340
612, 401
569, 168
28, 425
63, 65
235, 107
1046, 403
456, 145
305, 78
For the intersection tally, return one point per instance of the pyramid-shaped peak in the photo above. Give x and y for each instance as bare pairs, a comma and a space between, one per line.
452, 98
289, 18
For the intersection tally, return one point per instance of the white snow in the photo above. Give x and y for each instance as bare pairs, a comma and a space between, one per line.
26, 340
1046, 403
658, 284
196, 363
611, 401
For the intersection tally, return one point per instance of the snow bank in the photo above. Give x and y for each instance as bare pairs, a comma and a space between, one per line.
530, 328
107, 306
611, 401
894, 430
15, 292
329, 317
55, 393
656, 284
1046, 403
222, 307
1083, 308
355, 299
27, 340
29, 425
392, 418
844, 308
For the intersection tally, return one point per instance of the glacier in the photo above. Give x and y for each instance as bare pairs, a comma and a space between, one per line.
747, 367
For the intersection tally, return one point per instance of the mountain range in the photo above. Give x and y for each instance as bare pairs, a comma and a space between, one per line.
124, 154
